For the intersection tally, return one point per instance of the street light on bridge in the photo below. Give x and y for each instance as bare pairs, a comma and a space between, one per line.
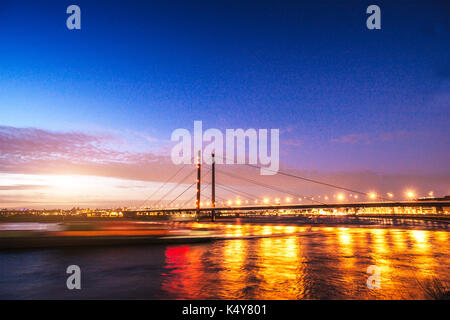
410, 194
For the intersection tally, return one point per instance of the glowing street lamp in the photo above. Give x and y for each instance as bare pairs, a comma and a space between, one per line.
390, 195
266, 200
410, 194
372, 195
340, 196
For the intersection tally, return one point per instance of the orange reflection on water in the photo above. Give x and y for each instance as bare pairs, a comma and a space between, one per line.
309, 262
232, 277
280, 271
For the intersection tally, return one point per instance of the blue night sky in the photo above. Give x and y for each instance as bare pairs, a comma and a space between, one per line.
344, 97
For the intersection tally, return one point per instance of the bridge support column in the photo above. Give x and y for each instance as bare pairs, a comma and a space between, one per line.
213, 187
197, 204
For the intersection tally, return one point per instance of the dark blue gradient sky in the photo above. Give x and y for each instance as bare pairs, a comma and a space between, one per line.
344, 97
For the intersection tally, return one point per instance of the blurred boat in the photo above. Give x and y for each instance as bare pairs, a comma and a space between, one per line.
26, 236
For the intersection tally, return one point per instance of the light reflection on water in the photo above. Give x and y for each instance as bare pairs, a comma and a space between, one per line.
305, 263
316, 263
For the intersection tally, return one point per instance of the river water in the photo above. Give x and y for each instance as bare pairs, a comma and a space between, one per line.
283, 262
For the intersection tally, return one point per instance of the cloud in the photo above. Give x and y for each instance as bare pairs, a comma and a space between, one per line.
352, 138
36, 151
23, 187
391, 136
365, 138
292, 142
27, 144
30, 151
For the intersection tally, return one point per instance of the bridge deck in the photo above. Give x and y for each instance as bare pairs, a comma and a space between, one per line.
415, 204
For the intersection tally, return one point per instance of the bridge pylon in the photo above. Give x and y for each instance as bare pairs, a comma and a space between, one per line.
213, 187
197, 204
